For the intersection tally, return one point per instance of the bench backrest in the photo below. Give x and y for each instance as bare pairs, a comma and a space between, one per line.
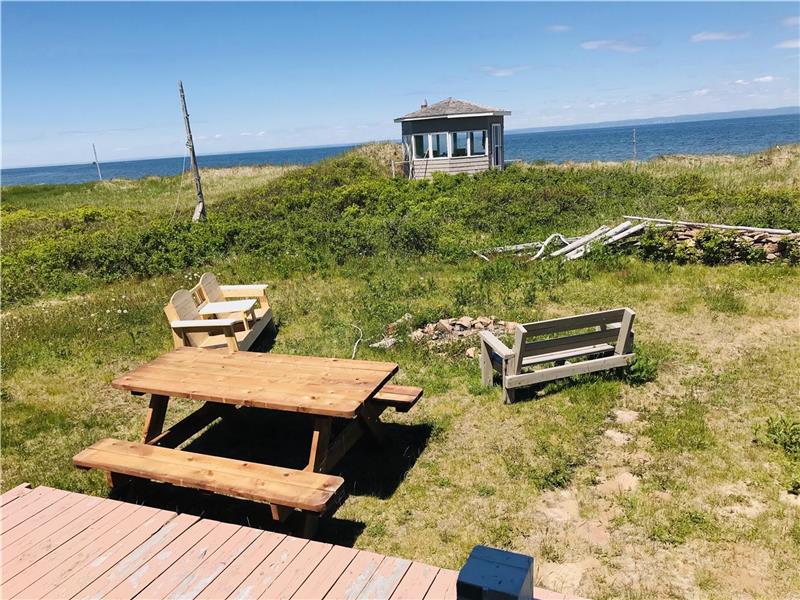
613, 327
209, 288
182, 307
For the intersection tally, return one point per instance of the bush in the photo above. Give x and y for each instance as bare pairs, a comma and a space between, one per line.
784, 433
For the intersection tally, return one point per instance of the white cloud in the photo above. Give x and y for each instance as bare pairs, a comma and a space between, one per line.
217, 136
558, 28
718, 36
762, 79
702, 92
504, 71
615, 45
789, 44
261, 133
791, 21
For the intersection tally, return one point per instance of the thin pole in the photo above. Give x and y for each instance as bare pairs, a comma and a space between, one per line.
97, 163
200, 208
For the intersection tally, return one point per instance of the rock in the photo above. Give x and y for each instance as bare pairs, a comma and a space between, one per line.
619, 438
622, 415
771, 248
443, 326
465, 322
471, 352
485, 321
418, 335
772, 256
478, 325
773, 238
429, 329
622, 482
386, 342
511, 326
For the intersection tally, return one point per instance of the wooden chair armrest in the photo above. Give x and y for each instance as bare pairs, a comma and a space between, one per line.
496, 345
202, 324
244, 291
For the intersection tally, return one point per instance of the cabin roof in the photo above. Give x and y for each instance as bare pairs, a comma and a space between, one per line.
450, 108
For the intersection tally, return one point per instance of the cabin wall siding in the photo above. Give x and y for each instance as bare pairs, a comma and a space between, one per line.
471, 164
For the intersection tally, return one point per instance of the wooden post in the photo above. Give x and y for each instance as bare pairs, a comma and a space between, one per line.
97, 163
200, 209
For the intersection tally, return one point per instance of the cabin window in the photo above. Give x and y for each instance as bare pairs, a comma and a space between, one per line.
460, 143
421, 146
477, 143
438, 145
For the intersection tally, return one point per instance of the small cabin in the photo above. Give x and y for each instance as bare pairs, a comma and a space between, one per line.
452, 136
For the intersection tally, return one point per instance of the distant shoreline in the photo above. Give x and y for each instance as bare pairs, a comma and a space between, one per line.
732, 136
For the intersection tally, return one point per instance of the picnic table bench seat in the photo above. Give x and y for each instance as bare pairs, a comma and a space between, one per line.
603, 339
400, 397
283, 489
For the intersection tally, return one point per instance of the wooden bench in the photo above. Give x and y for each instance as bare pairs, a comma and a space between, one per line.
604, 339
283, 489
400, 397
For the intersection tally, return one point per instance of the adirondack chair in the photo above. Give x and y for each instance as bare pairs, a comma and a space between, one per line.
189, 328
607, 345
209, 290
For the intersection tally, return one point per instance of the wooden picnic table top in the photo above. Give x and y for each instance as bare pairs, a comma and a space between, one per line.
334, 387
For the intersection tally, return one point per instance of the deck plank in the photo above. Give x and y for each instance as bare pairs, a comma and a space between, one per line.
211, 567
44, 540
355, 576
191, 560
443, 586
385, 579
244, 564
56, 510
269, 569
16, 492
293, 576
327, 572
102, 554
41, 571
415, 582
129, 557
148, 571
28, 506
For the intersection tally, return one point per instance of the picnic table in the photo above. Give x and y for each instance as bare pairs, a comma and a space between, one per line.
323, 388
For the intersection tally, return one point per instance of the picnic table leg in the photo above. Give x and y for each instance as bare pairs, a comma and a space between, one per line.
320, 441
372, 424
154, 420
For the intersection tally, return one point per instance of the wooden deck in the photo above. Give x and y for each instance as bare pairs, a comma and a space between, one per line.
58, 544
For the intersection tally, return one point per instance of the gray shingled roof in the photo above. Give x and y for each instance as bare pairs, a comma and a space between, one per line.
448, 107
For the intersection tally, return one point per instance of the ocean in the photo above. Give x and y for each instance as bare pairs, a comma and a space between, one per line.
722, 136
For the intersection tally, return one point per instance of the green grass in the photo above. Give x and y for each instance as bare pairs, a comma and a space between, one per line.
718, 360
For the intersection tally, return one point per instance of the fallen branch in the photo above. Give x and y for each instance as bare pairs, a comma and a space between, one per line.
713, 225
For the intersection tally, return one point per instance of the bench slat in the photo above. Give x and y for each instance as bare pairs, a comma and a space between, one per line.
400, 397
567, 354
263, 483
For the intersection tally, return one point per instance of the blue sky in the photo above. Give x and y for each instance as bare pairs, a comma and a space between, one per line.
262, 75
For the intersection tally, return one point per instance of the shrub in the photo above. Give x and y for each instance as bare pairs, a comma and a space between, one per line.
643, 369
784, 433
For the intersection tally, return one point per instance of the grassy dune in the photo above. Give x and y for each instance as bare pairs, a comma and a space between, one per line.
685, 493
